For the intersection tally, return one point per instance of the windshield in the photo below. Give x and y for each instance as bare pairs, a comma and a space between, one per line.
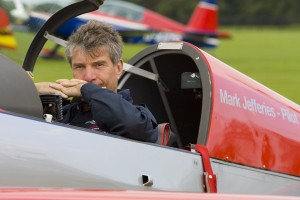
123, 9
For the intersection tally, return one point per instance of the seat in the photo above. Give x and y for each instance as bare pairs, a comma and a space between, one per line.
165, 135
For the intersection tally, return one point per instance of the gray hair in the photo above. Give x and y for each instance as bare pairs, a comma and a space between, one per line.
95, 36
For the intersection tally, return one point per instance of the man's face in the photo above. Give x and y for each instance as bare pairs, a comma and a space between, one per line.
97, 69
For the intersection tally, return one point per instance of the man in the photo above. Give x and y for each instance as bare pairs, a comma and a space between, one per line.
94, 52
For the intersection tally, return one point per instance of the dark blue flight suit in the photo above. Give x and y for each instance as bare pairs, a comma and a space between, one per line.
112, 113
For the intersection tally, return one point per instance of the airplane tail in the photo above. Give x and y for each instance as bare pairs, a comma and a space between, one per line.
7, 39
205, 21
204, 17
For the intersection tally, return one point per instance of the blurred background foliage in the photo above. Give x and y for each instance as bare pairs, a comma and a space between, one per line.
233, 12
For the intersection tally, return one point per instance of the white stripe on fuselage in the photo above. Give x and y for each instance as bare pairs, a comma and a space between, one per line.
115, 21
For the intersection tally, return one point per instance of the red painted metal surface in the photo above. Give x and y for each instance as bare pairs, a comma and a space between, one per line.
251, 124
70, 194
161, 23
209, 16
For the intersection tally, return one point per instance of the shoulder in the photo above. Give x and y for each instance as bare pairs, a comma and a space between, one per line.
125, 94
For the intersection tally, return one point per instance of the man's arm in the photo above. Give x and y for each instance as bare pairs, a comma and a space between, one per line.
118, 116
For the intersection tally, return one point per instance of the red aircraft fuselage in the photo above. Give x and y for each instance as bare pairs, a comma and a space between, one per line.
251, 124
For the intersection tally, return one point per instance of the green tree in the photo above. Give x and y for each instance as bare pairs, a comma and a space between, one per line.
232, 12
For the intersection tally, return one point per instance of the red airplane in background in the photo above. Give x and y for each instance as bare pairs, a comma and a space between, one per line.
137, 24
7, 39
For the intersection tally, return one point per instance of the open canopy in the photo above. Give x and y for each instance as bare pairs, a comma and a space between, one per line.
182, 94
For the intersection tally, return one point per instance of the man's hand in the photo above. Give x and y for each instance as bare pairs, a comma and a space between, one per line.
49, 88
71, 87
64, 87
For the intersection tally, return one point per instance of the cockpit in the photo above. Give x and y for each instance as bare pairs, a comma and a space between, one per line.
181, 95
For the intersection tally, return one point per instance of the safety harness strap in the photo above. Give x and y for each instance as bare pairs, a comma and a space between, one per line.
164, 133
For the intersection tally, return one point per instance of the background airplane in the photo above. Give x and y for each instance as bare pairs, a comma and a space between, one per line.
7, 39
137, 24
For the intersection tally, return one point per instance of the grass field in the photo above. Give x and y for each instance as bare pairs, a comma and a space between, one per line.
269, 55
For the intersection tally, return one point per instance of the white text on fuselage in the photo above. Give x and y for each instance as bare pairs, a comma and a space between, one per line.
251, 104
161, 37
